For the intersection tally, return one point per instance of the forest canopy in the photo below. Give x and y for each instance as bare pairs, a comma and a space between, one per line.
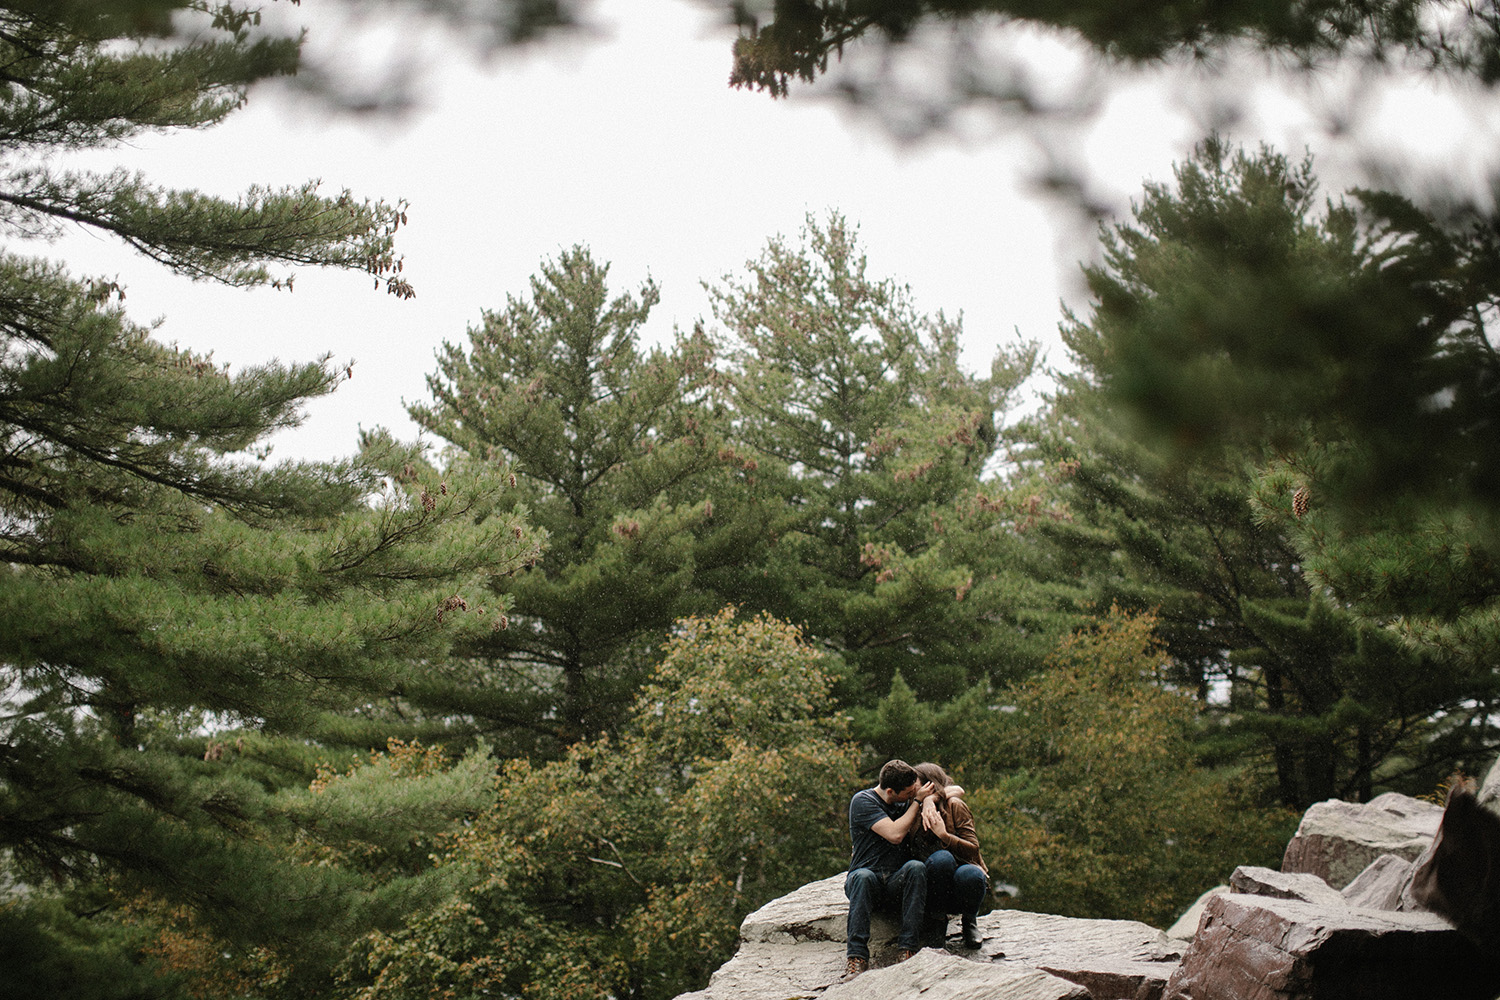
594, 668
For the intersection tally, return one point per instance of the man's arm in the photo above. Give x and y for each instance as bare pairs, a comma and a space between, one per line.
895, 830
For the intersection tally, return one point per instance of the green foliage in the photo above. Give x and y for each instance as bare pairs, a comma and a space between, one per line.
861, 445
798, 39
624, 868
1354, 343
899, 726
1099, 808
1255, 527
84, 77
610, 448
170, 665
1237, 311
723, 680
49, 949
183, 631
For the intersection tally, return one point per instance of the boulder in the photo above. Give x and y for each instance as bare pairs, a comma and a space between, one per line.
1114, 959
818, 911
1458, 876
1187, 924
1337, 840
761, 971
794, 946
937, 975
1380, 886
1262, 948
1257, 881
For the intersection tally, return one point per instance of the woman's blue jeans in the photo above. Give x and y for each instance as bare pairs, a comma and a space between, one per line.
952, 887
904, 890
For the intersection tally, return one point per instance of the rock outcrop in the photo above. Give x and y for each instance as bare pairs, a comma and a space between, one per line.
937, 975
1337, 840
1267, 948
794, 947
1320, 929
1255, 881
1382, 885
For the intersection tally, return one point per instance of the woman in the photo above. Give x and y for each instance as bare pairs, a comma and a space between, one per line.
956, 876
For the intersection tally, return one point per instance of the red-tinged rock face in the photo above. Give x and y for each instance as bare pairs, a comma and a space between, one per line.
1263, 948
1337, 840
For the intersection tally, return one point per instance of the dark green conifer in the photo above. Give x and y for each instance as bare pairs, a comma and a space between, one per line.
184, 632
1231, 290
863, 445
610, 446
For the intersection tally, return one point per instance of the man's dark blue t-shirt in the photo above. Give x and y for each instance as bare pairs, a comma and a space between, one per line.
871, 850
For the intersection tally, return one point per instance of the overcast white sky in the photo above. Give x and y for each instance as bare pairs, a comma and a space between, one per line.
633, 144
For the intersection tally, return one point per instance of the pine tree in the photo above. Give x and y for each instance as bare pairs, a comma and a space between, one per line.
610, 446
862, 445
184, 631
1338, 699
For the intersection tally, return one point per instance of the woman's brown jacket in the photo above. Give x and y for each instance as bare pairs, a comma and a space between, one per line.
959, 838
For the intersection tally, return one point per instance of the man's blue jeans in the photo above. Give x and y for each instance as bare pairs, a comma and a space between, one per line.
904, 890
952, 887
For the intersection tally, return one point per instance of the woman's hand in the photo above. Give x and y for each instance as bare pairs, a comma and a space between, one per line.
932, 819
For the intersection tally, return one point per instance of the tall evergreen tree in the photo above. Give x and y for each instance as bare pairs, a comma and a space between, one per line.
609, 445
1297, 685
1341, 698
184, 631
861, 445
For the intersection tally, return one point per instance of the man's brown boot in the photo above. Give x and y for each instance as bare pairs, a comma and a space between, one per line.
855, 966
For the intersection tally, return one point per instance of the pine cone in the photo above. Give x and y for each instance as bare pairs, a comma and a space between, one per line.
1299, 501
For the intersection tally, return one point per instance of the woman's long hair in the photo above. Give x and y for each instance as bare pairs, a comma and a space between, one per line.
935, 774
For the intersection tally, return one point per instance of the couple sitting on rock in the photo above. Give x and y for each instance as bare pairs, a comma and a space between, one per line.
914, 851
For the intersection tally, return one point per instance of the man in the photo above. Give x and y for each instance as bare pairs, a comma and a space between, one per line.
882, 872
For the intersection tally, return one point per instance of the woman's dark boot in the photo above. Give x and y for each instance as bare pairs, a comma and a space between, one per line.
972, 937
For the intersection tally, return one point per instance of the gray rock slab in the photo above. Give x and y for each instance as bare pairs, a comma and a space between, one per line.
1381, 885
818, 911
1187, 924
1337, 840
794, 946
760, 971
1113, 959
1258, 881
1263, 948
937, 975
